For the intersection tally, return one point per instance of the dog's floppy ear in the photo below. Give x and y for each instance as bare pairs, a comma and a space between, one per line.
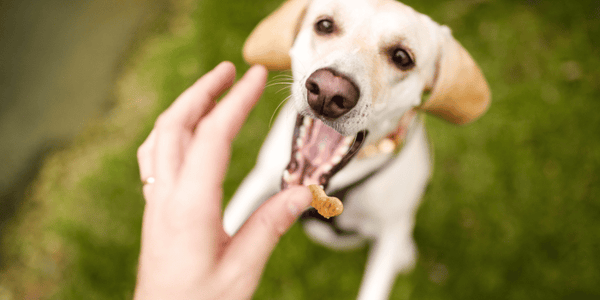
270, 42
459, 92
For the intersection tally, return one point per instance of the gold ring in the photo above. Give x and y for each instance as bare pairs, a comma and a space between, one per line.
149, 180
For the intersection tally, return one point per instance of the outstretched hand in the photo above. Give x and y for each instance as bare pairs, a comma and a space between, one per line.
185, 253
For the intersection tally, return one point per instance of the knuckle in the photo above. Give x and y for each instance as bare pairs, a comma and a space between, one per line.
160, 120
164, 121
273, 222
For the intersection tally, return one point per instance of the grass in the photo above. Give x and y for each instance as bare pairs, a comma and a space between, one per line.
512, 211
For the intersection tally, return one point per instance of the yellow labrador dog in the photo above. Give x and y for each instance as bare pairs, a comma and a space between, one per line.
354, 120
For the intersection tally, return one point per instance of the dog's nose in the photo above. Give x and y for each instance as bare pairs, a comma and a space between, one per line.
331, 94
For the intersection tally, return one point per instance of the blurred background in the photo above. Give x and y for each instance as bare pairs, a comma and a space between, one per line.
512, 211
58, 64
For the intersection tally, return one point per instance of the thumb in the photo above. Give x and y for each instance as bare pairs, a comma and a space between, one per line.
251, 247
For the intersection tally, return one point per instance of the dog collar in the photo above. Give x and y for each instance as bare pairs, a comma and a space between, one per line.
394, 141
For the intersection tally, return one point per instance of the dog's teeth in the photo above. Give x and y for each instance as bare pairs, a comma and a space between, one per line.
348, 140
307, 121
298, 156
302, 131
299, 142
344, 149
336, 159
286, 175
327, 167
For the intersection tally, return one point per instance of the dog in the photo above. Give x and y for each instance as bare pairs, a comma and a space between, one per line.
354, 121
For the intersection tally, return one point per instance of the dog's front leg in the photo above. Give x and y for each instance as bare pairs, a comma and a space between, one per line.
390, 253
265, 179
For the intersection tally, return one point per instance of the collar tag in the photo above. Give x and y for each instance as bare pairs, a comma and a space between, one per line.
394, 141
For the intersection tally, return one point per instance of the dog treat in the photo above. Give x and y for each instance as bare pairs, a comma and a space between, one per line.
326, 206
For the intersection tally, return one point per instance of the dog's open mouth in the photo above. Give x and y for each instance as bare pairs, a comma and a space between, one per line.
318, 152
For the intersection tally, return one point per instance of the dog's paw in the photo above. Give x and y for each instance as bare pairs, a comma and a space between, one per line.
323, 234
407, 255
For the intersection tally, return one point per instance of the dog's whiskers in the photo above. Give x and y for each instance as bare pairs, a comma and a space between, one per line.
278, 83
283, 76
281, 79
289, 87
277, 108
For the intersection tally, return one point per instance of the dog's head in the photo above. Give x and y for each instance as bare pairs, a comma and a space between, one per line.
360, 64
356, 62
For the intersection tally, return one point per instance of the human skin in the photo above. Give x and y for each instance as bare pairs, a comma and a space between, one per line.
185, 253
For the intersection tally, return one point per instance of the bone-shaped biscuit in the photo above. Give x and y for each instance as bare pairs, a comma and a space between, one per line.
326, 206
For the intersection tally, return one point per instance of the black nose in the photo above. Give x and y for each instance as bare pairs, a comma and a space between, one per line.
331, 94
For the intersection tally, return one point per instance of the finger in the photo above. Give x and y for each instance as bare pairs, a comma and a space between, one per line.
174, 129
200, 98
145, 156
232, 111
208, 155
251, 247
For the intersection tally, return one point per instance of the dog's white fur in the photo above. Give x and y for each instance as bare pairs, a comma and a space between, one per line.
381, 209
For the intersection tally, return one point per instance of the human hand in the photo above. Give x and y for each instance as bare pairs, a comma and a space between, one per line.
185, 253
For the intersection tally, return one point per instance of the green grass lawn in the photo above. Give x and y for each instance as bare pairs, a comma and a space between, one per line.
512, 211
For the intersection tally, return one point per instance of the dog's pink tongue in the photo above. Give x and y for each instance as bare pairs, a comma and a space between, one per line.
322, 140
315, 150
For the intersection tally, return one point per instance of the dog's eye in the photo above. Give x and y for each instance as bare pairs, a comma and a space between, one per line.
324, 26
402, 59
